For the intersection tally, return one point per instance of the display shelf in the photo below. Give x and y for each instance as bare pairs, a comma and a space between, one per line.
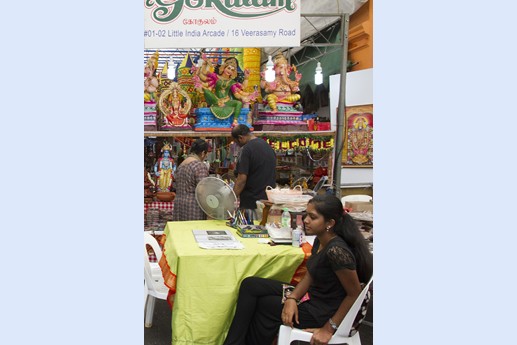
296, 170
186, 134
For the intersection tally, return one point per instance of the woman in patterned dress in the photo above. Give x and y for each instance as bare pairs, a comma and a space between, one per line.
189, 173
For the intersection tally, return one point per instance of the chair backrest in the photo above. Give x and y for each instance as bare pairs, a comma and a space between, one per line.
148, 275
345, 327
356, 197
151, 241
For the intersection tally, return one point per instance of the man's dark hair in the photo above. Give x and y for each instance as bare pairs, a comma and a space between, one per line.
240, 130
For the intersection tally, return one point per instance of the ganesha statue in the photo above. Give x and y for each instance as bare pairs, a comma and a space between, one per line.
281, 109
150, 80
282, 89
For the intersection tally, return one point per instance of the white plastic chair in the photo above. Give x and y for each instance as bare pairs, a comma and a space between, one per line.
146, 292
154, 286
287, 334
356, 197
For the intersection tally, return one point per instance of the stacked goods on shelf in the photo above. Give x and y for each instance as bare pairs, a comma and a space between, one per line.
152, 219
156, 219
149, 115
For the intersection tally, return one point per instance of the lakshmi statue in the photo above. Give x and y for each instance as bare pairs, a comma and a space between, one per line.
282, 89
150, 81
164, 169
175, 104
223, 93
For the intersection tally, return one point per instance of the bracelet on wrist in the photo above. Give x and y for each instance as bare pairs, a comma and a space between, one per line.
293, 298
333, 324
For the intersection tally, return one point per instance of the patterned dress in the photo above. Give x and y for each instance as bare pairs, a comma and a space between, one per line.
185, 204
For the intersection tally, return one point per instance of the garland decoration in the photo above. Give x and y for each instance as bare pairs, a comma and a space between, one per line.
301, 143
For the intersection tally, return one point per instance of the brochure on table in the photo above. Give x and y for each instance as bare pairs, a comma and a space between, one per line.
216, 239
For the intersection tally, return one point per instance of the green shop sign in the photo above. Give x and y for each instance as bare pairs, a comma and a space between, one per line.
166, 12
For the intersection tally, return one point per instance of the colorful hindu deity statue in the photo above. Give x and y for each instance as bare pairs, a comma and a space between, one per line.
222, 88
151, 82
282, 89
281, 109
164, 169
175, 105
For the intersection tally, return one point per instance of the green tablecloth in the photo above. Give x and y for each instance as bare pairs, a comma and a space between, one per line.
207, 281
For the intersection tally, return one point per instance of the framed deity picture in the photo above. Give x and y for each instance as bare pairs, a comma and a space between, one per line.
358, 147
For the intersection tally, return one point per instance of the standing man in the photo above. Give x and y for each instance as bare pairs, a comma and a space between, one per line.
256, 167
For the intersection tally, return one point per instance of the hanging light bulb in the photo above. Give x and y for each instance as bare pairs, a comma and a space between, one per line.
270, 73
318, 77
171, 69
199, 62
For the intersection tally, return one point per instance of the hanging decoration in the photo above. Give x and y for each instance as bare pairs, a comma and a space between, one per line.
300, 142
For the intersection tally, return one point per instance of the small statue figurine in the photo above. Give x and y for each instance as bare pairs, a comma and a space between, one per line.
150, 81
223, 93
175, 104
149, 189
164, 169
282, 89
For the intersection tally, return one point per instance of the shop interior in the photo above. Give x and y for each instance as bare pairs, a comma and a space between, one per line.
314, 145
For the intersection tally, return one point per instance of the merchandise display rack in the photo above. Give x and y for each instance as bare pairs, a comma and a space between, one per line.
195, 134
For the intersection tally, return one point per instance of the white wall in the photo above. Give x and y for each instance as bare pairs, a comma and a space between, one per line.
359, 91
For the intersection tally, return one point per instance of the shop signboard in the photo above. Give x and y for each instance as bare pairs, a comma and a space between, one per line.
221, 23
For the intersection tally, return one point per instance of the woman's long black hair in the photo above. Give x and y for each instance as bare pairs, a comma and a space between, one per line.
330, 207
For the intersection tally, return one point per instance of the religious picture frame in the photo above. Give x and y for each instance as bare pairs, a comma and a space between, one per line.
358, 146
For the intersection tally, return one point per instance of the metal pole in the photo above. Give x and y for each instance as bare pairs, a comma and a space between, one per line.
340, 116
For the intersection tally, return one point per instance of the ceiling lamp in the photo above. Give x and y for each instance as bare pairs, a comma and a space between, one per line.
270, 73
318, 77
171, 69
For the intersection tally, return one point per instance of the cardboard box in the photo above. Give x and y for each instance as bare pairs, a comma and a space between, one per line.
359, 206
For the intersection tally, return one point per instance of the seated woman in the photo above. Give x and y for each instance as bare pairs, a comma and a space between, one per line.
339, 263
188, 174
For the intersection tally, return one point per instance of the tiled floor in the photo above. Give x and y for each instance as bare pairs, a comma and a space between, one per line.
160, 333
